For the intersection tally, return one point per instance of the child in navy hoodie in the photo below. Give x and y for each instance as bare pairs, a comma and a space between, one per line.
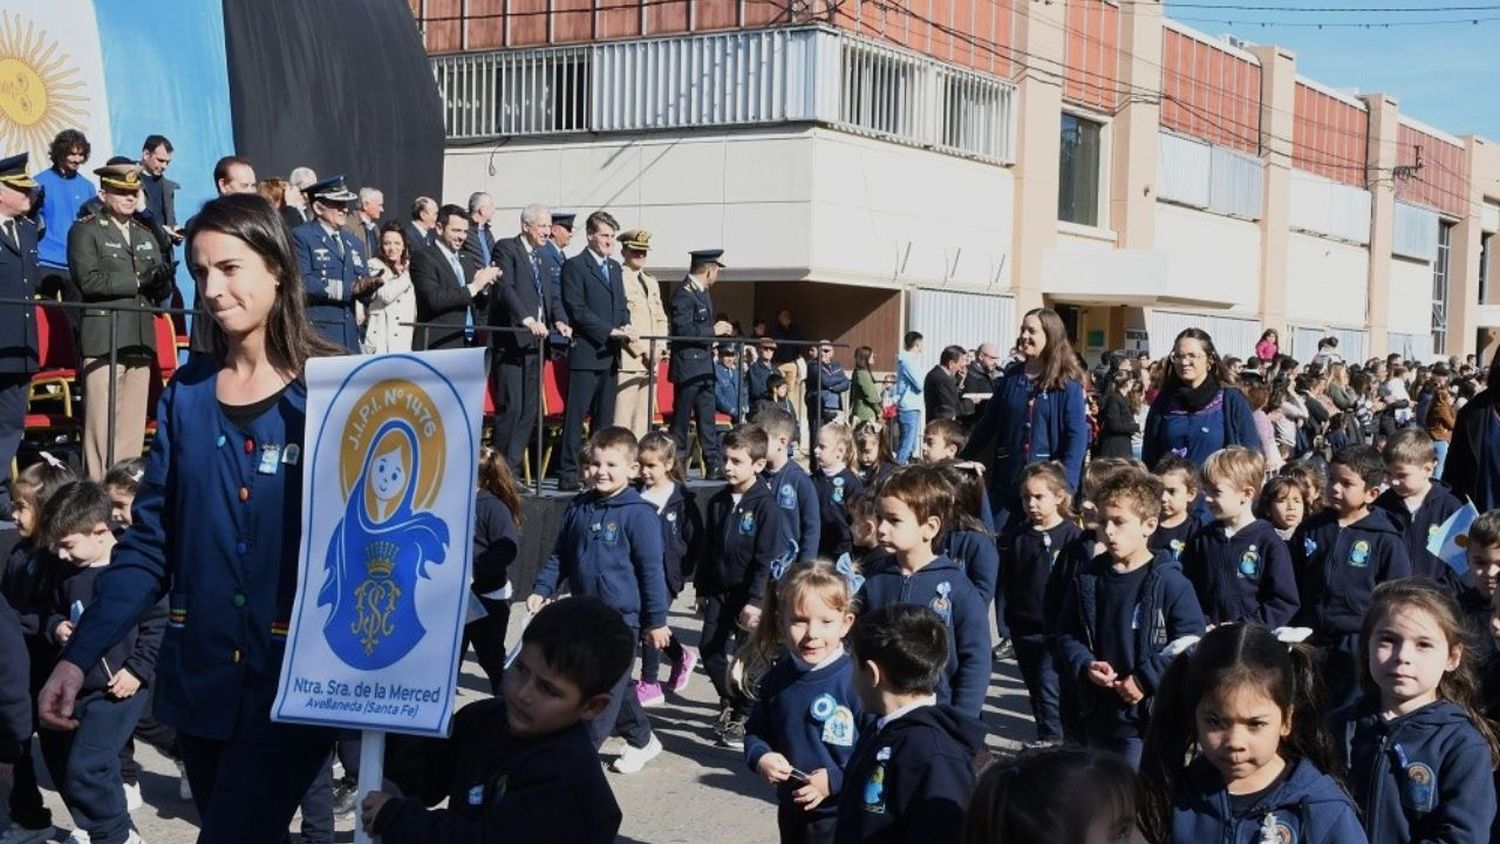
802, 731
1417, 752
665, 488
1237, 751
967, 541
610, 546
801, 528
744, 530
875, 461
1126, 606
1416, 504
912, 507
1239, 566
911, 776
521, 766
1030, 560
1179, 508
1066, 795
835, 483
497, 543
1339, 556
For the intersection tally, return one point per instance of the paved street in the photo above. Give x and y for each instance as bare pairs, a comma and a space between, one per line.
690, 794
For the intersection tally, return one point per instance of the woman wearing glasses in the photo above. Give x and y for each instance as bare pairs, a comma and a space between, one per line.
1199, 410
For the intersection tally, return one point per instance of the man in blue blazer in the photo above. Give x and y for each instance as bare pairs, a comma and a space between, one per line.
594, 299
332, 264
19, 277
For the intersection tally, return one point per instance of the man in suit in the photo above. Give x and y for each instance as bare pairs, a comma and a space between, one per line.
19, 278
332, 264
480, 244
594, 298
364, 224
448, 292
649, 316
298, 210
554, 255
692, 365
232, 174
940, 388
523, 300
421, 231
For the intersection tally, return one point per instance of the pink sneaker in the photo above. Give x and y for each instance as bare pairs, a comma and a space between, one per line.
649, 694
682, 670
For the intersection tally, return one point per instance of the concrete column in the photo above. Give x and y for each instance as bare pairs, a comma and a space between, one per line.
1382, 156
1463, 253
1133, 132
1039, 38
1278, 101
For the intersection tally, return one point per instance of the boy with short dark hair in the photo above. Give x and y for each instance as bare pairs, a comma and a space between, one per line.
85, 762
743, 527
521, 766
1239, 566
1340, 555
910, 778
778, 396
914, 506
1179, 481
1416, 504
610, 545
1125, 607
943, 439
801, 528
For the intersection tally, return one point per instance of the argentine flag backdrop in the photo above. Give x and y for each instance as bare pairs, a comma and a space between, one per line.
342, 86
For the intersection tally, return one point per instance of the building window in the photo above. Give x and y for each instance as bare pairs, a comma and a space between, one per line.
1440, 289
1078, 191
1484, 267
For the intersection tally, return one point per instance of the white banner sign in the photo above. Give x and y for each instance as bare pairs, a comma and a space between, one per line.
387, 527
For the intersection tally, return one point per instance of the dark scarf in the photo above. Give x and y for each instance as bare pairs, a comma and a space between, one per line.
1194, 399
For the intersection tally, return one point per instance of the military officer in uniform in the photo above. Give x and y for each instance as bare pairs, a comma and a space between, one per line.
19, 278
692, 366
637, 363
116, 260
332, 263
553, 254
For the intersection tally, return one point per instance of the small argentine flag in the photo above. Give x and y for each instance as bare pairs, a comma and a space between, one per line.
1450, 540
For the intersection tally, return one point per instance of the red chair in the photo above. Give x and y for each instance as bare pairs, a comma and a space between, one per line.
50, 397
555, 376
166, 346
666, 396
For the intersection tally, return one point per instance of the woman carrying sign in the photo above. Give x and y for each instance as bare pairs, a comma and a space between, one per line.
216, 531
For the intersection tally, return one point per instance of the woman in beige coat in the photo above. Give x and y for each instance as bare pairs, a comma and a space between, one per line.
394, 305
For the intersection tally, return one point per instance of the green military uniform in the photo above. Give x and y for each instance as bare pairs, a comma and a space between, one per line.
109, 263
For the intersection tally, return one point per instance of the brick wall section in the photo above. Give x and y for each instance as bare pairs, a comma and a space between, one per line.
1329, 137
1209, 93
1091, 54
1443, 181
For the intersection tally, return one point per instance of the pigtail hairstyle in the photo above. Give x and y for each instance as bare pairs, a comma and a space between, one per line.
1040, 798
496, 479
1230, 655
1459, 686
666, 448
42, 479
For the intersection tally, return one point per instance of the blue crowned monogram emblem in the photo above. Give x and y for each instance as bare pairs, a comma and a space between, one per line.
379, 550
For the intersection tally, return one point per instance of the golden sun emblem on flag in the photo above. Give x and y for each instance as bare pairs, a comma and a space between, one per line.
40, 91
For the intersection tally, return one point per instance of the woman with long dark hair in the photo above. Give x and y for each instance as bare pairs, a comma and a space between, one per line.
1036, 413
1199, 410
217, 532
864, 398
1116, 417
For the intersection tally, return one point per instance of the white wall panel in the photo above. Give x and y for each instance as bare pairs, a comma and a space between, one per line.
1210, 251
946, 317
1182, 169
1323, 206
1326, 281
1231, 335
1411, 296
1416, 232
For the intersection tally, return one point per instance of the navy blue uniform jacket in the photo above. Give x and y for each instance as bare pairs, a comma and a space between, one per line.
1423, 777
499, 787
1054, 427
978, 555
835, 535
692, 315
745, 539
594, 299
15, 687
1416, 528
1030, 562
497, 543
228, 567
909, 783
1235, 415
329, 280
137, 651
1167, 611
1310, 804
784, 721
1338, 569
682, 536
798, 500
19, 277
1245, 577
944, 588
610, 548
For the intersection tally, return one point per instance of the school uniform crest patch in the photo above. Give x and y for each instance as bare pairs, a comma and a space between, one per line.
1276, 830
838, 729
611, 532
1359, 555
874, 796
1249, 567
1309, 546
838, 490
786, 497
747, 523
1420, 789
940, 604
1177, 545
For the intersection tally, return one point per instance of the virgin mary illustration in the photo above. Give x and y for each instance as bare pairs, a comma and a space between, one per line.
379, 549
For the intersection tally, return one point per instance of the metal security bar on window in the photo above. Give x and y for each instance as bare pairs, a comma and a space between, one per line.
514, 92
975, 114
882, 91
